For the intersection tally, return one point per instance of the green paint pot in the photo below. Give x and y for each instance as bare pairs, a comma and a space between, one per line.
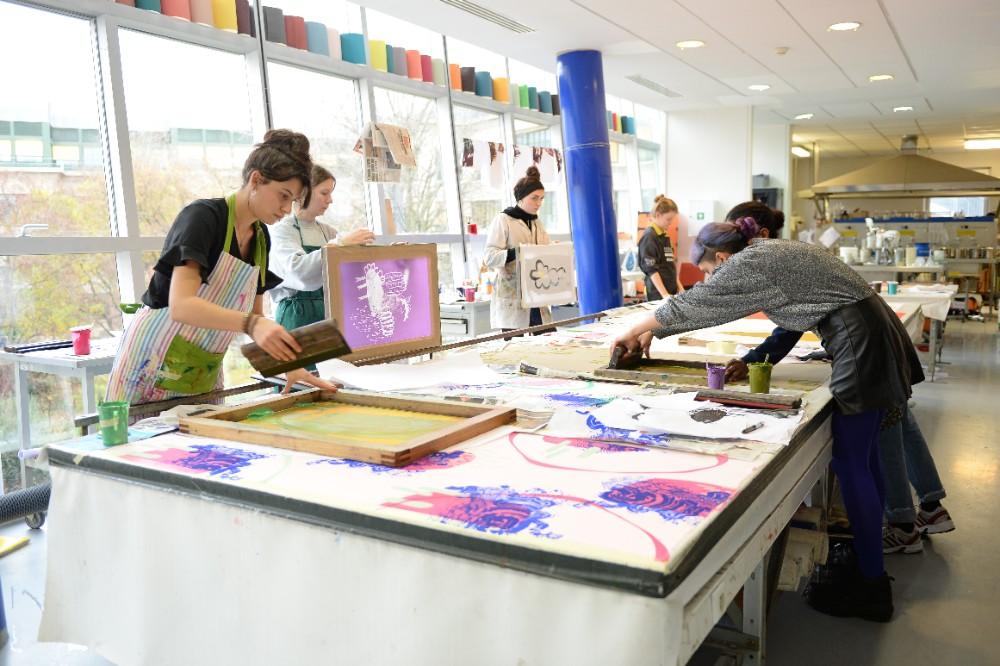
760, 377
114, 422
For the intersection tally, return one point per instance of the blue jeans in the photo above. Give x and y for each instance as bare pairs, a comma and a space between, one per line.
907, 460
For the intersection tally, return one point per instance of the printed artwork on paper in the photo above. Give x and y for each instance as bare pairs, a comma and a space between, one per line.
546, 275
383, 300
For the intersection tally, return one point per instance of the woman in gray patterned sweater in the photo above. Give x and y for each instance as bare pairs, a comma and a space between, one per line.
801, 287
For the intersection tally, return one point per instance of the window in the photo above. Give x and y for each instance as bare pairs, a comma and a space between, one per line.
554, 215
952, 206
399, 33
620, 184
189, 124
337, 14
417, 201
44, 296
464, 54
51, 166
649, 175
325, 108
484, 186
526, 75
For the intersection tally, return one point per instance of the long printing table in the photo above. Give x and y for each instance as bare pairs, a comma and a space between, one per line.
513, 547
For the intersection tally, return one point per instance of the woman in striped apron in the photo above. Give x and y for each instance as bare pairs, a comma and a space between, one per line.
208, 284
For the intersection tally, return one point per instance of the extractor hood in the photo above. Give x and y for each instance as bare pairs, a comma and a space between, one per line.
905, 175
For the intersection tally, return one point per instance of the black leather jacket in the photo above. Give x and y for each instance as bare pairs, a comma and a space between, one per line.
874, 362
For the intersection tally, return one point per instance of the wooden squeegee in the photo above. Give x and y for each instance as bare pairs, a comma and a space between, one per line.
320, 342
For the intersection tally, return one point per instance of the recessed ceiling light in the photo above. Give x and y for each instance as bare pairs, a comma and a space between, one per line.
900, 109
846, 26
690, 44
804, 116
880, 77
982, 144
759, 87
799, 151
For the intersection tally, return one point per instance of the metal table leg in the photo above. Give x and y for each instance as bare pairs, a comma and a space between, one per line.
22, 400
933, 347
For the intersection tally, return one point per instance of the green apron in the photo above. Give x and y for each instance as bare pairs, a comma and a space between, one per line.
303, 307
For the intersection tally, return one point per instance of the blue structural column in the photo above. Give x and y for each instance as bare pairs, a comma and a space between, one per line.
588, 177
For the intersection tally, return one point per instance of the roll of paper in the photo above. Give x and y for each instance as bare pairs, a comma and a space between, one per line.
426, 69
390, 61
243, 17
150, 5
399, 60
295, 32
628, 124
617, 122
130, 3
611, 121
533, 98
501, 89
484, 84
555, 105
455, 75
274, 24
440, 73
469, 79
523, 97
352, 48
179, 8
333, 42
224, 15
414, 69
201, 12
545, 101
316, 39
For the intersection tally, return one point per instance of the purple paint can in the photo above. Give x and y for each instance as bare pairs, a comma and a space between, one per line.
716, 376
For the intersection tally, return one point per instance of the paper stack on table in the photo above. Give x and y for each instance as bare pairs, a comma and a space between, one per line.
464, 369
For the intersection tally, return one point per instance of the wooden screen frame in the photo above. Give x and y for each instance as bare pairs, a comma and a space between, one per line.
333, 303
226, 424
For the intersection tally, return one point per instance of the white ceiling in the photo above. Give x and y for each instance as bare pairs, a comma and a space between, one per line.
944, 55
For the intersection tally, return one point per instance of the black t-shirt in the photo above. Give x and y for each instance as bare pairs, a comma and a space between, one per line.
198, 235
656, 255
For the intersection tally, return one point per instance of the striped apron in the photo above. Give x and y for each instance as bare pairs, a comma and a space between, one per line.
159, 358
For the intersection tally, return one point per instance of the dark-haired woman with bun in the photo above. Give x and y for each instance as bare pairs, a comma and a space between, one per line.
515, 226
801, 287
656, 253
208, 284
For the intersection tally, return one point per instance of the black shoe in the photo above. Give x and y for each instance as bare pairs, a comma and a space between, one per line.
854, 596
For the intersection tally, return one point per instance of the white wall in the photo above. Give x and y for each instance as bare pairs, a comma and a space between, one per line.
708, 158
771, 154
831, 167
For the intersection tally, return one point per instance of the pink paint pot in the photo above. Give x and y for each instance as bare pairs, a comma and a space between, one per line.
81, 340
716, 376
470, 294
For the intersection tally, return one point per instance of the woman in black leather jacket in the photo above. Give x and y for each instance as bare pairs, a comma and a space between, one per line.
801, 287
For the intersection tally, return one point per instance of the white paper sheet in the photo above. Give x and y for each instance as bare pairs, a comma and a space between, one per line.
463, 369
829, 237
674, 415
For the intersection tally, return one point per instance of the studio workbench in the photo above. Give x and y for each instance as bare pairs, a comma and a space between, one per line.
512, 547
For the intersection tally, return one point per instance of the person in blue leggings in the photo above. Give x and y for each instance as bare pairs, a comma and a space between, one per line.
801, 287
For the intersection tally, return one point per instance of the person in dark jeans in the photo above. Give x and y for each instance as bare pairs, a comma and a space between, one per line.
802, 287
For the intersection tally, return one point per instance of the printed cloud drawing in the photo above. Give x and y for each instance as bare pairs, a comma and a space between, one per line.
547, 277
386, 299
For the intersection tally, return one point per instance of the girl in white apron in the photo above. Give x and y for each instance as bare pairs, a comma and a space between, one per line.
295, 256
208, 283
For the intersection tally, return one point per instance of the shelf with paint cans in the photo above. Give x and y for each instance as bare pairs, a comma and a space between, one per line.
132, 16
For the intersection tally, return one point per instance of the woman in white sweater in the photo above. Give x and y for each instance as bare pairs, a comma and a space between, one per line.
294, 256
515, 226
